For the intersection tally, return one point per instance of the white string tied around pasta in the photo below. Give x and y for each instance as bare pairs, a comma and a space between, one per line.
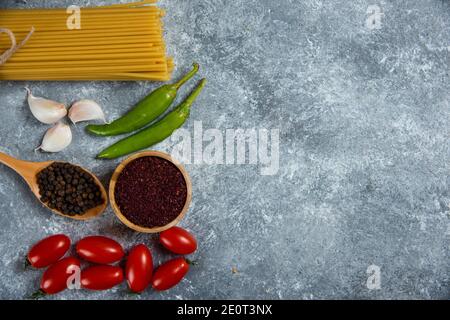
14, 46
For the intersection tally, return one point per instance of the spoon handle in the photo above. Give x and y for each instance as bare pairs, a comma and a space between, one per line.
17, 165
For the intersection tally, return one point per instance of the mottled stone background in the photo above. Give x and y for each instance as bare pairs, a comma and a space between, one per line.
364, 175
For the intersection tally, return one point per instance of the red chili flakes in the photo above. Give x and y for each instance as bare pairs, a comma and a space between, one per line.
151, 192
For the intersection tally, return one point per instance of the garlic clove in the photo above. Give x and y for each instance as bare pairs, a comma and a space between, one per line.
56, 138
86, 110
46, 111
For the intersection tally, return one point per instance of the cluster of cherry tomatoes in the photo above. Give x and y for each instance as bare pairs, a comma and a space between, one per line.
103, 252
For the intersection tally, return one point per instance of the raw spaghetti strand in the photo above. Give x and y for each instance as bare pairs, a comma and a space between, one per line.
115, 42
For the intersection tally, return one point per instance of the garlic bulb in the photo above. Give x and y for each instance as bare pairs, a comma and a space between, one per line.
46, 111
86, 110
56, 138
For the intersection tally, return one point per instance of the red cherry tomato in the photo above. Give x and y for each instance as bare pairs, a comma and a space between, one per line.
178, 241
99, 249
101, 277
170, 274
139, 268
55, 277
48, 251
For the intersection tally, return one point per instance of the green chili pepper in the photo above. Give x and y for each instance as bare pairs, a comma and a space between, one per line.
156, 132
150, 108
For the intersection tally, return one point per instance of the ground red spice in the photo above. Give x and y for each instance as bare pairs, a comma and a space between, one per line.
151, 192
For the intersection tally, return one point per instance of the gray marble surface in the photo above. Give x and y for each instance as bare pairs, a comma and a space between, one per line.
363, 180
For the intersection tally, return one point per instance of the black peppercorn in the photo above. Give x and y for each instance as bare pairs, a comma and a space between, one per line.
67, 188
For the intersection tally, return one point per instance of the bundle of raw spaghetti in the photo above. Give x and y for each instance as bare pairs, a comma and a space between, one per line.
118, 42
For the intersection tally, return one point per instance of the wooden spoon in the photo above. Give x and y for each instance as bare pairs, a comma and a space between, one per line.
29, 170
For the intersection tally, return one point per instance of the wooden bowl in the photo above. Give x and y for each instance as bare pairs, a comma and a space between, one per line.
118, 171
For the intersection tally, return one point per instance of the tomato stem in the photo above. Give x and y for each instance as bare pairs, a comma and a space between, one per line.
26, 264
38, 295
191, 262
132, 293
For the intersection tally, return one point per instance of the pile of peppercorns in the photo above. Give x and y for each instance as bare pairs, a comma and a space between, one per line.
68, 189
151, 192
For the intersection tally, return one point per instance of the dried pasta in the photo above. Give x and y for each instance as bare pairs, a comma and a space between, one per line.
116, 42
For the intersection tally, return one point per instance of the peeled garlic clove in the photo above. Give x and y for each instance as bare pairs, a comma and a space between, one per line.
56, 138
46, 111
86, 110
